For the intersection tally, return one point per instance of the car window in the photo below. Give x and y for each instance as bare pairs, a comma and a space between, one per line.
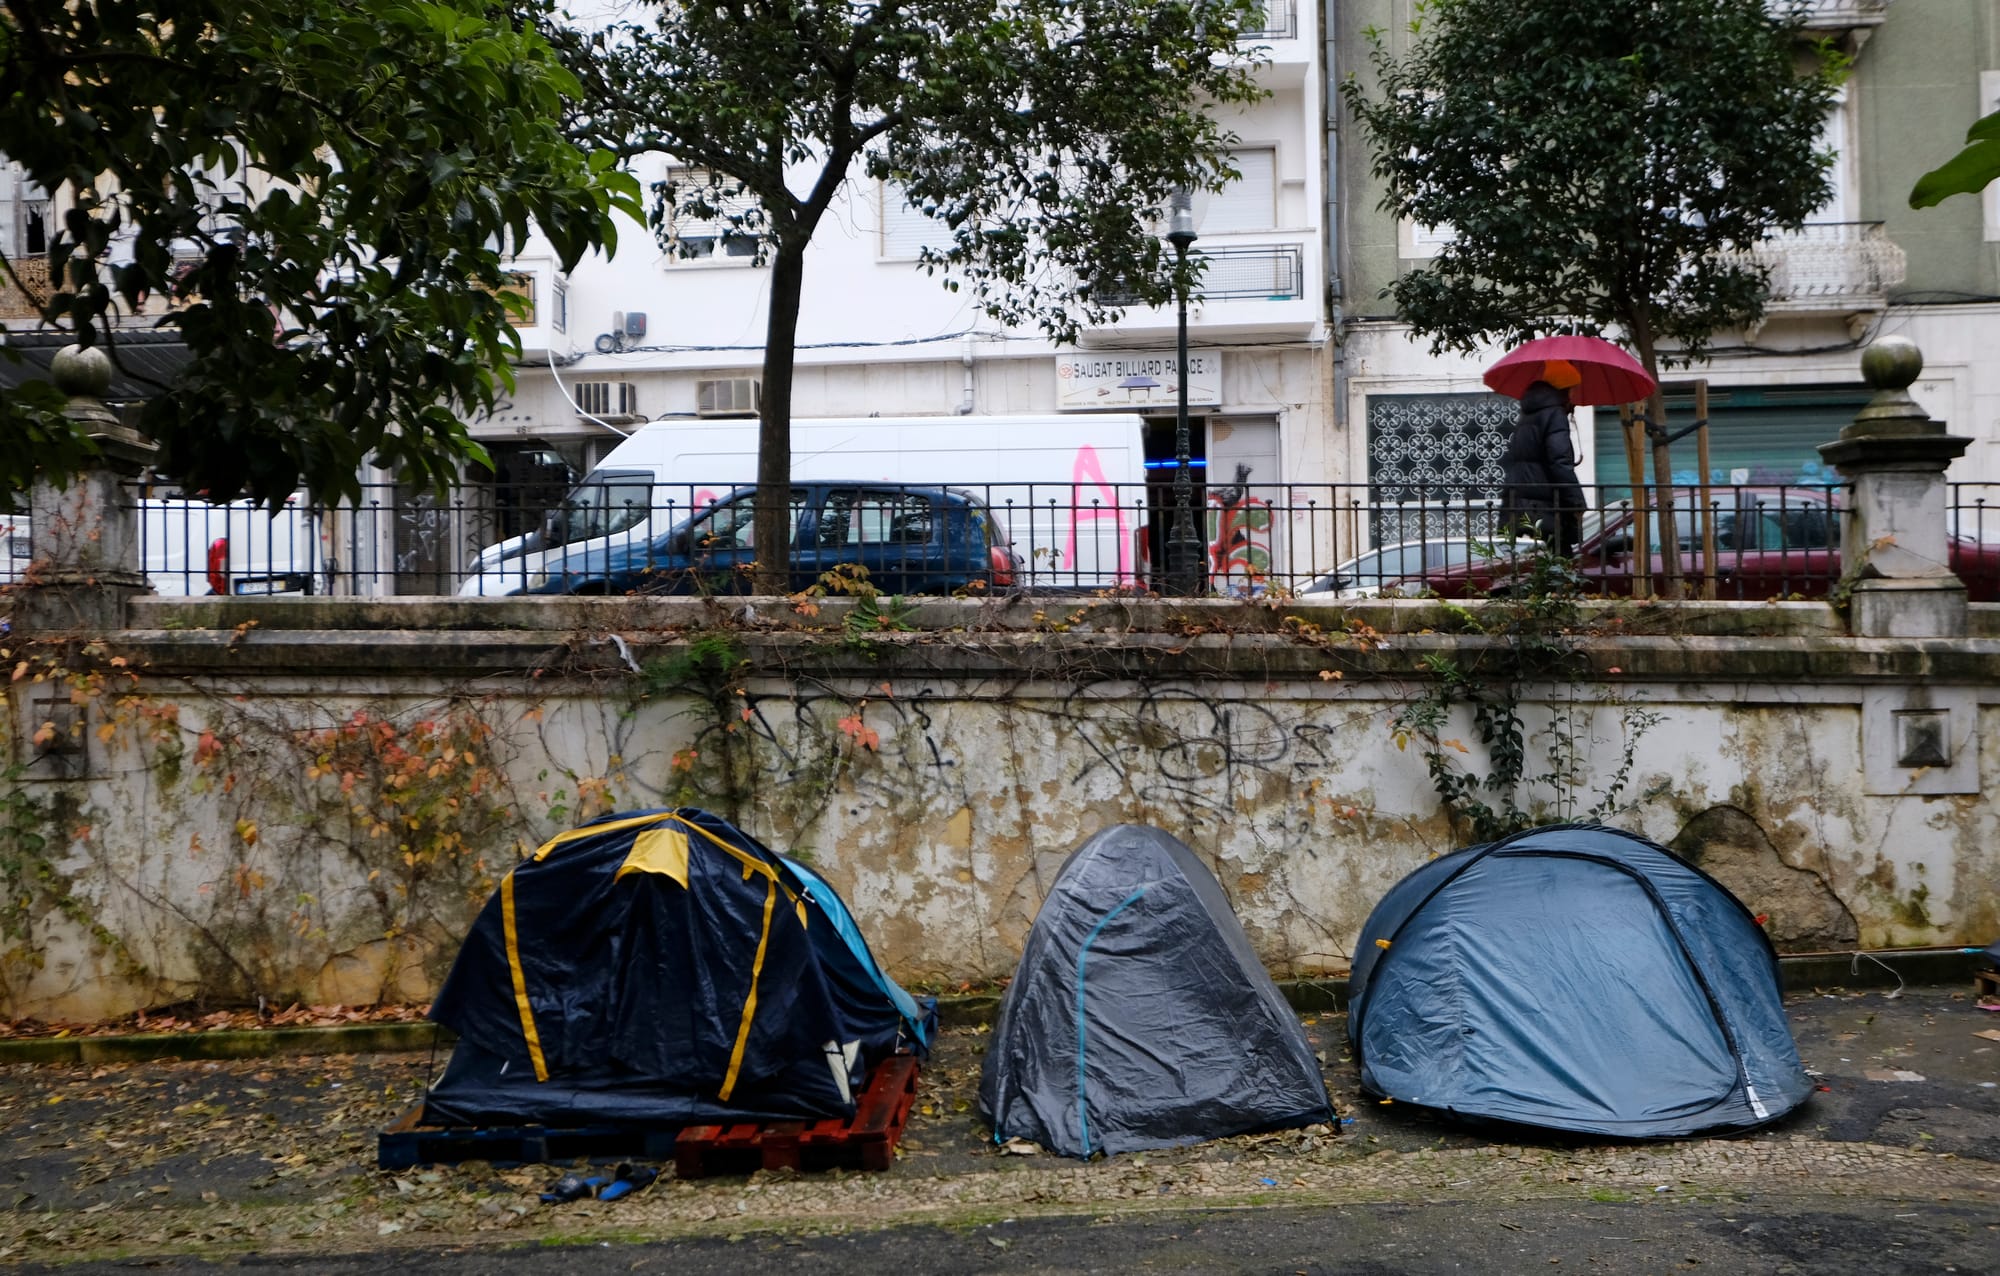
1402, 560
874, 518
732, 525
599, 509
1447, 553
1791, 526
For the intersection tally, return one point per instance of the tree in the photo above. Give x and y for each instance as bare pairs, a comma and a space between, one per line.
1967, 173
1044, 134
326, 191
1604, 165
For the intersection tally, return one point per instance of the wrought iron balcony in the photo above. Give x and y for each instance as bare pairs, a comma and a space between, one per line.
1845, 15
1280, 22
1831, 266
1254, 272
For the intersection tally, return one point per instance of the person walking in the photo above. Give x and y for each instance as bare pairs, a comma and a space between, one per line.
1540, 493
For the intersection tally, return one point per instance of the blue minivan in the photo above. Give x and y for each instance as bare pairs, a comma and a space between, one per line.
912, 540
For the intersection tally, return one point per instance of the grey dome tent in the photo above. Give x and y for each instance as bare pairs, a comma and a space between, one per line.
1576, 978
1139, 1017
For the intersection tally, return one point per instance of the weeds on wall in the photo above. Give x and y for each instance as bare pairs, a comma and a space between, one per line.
1533, 777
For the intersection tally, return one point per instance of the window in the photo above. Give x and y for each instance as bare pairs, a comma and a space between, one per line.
874, 518
1989, 199
611, 504
732, 525
906, 231
729, 233
1251, 201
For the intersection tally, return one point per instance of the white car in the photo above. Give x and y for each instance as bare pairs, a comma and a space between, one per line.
1366, 575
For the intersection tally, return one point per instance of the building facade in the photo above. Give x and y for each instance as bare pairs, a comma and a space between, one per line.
658, 334
1410, 422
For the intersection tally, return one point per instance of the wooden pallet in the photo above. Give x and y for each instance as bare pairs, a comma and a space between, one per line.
1986, 985
408, 1143
867, 1142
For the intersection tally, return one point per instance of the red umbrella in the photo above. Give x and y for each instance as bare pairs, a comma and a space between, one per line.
1609, 374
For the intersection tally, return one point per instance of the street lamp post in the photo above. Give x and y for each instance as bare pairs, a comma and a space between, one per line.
1184, 547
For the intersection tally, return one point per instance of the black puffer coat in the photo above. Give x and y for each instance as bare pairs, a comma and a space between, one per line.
1541, 495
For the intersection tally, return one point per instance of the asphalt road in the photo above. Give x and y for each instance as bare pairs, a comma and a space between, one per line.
1780, 1238
267, 1165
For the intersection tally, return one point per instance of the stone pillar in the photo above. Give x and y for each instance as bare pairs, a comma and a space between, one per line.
86, 561
1894, 548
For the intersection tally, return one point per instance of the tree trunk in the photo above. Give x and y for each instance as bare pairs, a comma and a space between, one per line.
774, 526
1663, 472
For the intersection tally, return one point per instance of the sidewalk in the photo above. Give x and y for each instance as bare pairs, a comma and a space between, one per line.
277, 1155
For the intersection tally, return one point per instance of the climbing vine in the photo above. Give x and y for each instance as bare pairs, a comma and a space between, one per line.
1538, 624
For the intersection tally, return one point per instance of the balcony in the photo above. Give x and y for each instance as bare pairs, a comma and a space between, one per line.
1247, 290
1280, 22
1827, 17
1287, 55
1831, 267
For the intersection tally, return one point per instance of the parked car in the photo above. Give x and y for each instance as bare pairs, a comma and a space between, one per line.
1769, 543
1054, 481
911, 540
1406, 566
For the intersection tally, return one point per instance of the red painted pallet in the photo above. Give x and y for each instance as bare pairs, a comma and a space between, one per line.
868, 1142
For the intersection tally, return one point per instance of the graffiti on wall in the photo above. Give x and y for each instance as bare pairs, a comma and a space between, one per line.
1240, 530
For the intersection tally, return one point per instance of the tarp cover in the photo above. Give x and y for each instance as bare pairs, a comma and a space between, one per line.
1139, 1016
1578, 978
663, 967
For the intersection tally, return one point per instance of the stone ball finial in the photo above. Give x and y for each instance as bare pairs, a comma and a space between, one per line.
82, 370
1892, 363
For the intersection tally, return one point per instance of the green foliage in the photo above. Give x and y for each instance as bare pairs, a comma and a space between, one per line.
1603, 164
325, 191
1042, 135
1536, 619
1966, 173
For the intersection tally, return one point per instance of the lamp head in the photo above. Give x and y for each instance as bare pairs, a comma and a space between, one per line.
1180, 226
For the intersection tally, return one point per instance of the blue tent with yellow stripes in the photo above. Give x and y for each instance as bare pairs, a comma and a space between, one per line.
664, 968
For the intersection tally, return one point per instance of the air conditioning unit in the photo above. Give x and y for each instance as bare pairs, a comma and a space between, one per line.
608, 400
727, 396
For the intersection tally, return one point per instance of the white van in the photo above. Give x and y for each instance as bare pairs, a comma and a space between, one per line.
192, 547
1070, 491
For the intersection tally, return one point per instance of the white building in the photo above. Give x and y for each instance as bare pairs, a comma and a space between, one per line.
651, 334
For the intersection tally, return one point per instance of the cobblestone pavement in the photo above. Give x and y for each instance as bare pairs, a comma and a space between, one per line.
277, 1156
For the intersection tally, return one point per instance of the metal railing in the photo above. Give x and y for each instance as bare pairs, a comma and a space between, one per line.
1326, 541
1254, 272
1831, 261
1280, 21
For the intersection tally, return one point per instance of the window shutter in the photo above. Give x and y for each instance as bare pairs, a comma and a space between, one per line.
1251, 201
906, 232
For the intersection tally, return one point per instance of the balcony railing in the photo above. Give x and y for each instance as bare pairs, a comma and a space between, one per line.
1256, 272
1843, 15
1280, 22
1833, 263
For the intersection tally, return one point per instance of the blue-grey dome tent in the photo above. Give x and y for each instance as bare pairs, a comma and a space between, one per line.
1576, 978
1139, 1017
664, 968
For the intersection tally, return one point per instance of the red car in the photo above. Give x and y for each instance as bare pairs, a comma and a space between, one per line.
1769, 543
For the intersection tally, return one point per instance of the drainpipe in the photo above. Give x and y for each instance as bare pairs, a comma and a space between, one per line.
965, 406
1331, 245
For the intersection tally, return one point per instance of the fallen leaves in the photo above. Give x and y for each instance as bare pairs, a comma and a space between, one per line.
293, 1016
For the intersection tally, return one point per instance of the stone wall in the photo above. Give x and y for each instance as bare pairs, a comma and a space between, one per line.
310, 798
